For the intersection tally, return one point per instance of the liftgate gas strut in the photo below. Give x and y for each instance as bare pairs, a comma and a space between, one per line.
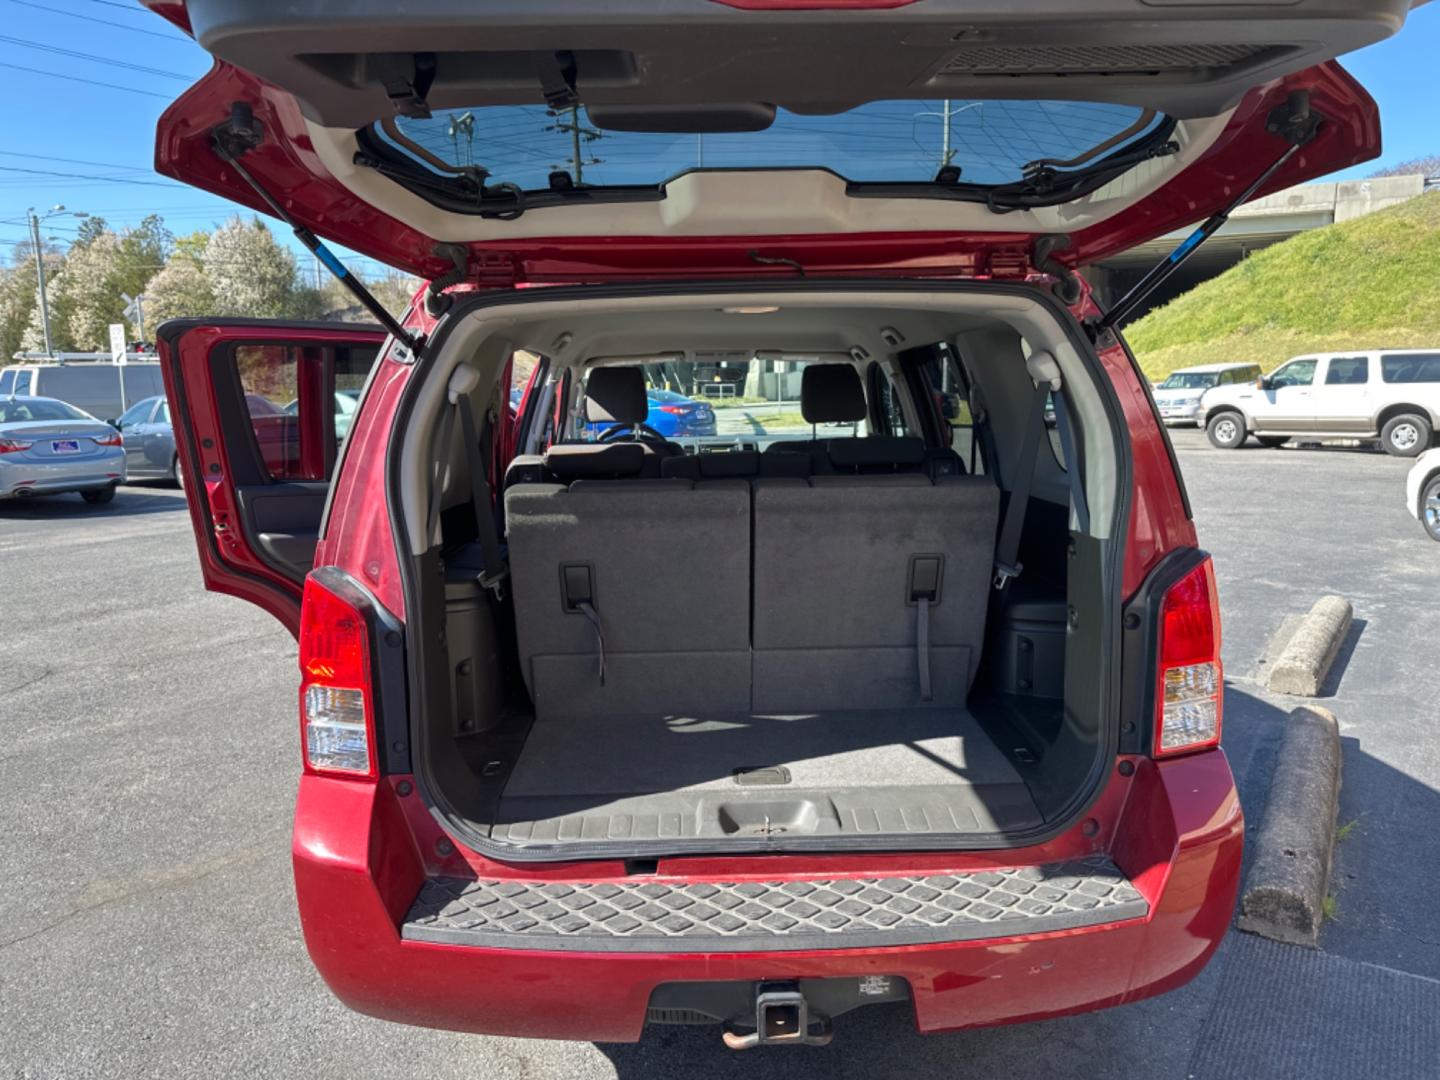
240, 134
1294, 122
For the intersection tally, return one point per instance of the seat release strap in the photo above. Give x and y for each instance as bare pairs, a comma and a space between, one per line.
922, 645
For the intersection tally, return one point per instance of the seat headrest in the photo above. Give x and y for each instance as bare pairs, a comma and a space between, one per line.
878, 453
616, 395
831, 394
573, 461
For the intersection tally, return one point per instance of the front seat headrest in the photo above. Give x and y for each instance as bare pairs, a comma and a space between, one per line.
831, 394
616, 395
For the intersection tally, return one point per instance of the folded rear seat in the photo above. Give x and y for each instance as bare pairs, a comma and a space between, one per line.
870, 591
632, 595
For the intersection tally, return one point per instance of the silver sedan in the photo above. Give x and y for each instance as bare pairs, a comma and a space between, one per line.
48, 447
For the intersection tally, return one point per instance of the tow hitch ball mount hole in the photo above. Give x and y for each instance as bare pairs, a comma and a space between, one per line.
781, 1017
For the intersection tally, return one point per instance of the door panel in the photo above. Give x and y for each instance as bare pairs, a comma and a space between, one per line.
257, 426
1342, 398
1288, 402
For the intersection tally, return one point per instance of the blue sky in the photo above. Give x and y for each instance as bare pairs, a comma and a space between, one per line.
106, 133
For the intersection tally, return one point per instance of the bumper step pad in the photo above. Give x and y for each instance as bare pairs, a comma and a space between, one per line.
655, 916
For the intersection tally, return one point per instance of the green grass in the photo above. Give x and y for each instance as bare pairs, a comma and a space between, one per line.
1367, 283
1343, 833
1329, 908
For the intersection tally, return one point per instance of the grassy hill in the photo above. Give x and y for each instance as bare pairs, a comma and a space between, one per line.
1370, 282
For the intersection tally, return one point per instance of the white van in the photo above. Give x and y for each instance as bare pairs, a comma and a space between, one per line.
1389, 394
1178, 397
94, 386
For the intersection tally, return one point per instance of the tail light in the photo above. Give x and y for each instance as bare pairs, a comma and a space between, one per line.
1191, 683
110, 440
336, 721
674, 410
14, 446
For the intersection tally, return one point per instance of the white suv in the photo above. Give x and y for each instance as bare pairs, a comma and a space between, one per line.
1392, 395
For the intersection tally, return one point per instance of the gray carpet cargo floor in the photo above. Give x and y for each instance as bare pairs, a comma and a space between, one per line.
913, 771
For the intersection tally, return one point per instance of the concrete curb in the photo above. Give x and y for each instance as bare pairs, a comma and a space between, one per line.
1285, 891
1306, 658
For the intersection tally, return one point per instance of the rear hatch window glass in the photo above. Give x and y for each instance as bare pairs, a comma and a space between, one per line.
991, 142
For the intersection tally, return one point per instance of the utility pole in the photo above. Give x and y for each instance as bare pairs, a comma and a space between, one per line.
577, 132
946, 114
39, 254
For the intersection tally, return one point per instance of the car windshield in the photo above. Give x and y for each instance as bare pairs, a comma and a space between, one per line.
20, 410
991, 142
1191, 380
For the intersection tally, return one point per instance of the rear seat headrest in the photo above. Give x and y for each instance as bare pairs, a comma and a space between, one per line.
716, 466
876, 453
831, 394
616, 395
574, 461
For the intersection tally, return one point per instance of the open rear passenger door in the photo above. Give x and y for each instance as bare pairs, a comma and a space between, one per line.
261, 411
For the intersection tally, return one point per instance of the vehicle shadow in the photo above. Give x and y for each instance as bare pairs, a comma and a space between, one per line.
130, 501
1250, 987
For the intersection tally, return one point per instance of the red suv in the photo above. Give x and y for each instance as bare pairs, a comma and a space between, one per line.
905, 684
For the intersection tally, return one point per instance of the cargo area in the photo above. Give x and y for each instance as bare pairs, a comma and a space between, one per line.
783, 633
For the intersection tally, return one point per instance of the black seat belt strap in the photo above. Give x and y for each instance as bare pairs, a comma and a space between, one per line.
1046, 373
492, 576
1073, 467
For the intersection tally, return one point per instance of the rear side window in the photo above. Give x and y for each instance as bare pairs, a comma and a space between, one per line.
301, 403
23, 382
1348, 371
886, 399
1410, 368
949, 389
7, 380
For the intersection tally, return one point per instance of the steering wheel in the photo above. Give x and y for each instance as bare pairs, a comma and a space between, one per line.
641, 432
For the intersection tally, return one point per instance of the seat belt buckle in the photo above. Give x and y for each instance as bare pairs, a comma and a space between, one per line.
494, 582
1004, 572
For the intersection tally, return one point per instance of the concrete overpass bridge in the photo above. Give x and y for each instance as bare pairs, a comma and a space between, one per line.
1254, 226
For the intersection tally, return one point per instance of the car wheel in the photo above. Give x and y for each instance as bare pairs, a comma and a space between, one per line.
1430, 508
1405, 435
1272, 440
99, 496
1226, 430
176, 474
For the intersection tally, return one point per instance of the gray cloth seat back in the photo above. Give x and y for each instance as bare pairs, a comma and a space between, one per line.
834, 623
666, 565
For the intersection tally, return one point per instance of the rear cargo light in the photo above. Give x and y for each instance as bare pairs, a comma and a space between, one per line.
1191, 682
110, 440
14, 446
335, 691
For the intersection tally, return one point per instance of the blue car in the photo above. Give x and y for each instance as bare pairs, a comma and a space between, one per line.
673, 415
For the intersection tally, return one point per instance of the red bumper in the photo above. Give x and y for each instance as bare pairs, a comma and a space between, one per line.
362, 850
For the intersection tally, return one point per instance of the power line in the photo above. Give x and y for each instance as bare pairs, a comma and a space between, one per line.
80, 176
76, 161
92, 58
89, 82
103, 22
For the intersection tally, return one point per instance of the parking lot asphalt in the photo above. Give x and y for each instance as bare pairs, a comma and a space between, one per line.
148, 760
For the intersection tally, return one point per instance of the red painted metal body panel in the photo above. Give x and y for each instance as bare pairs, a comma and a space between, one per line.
287, 164
359, 860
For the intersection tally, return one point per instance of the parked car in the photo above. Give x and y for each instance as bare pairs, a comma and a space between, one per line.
1422, 491
670, 414
562, 775
49, 447
1178, 396
1389, 394
149, 441
91, 386
345, 402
